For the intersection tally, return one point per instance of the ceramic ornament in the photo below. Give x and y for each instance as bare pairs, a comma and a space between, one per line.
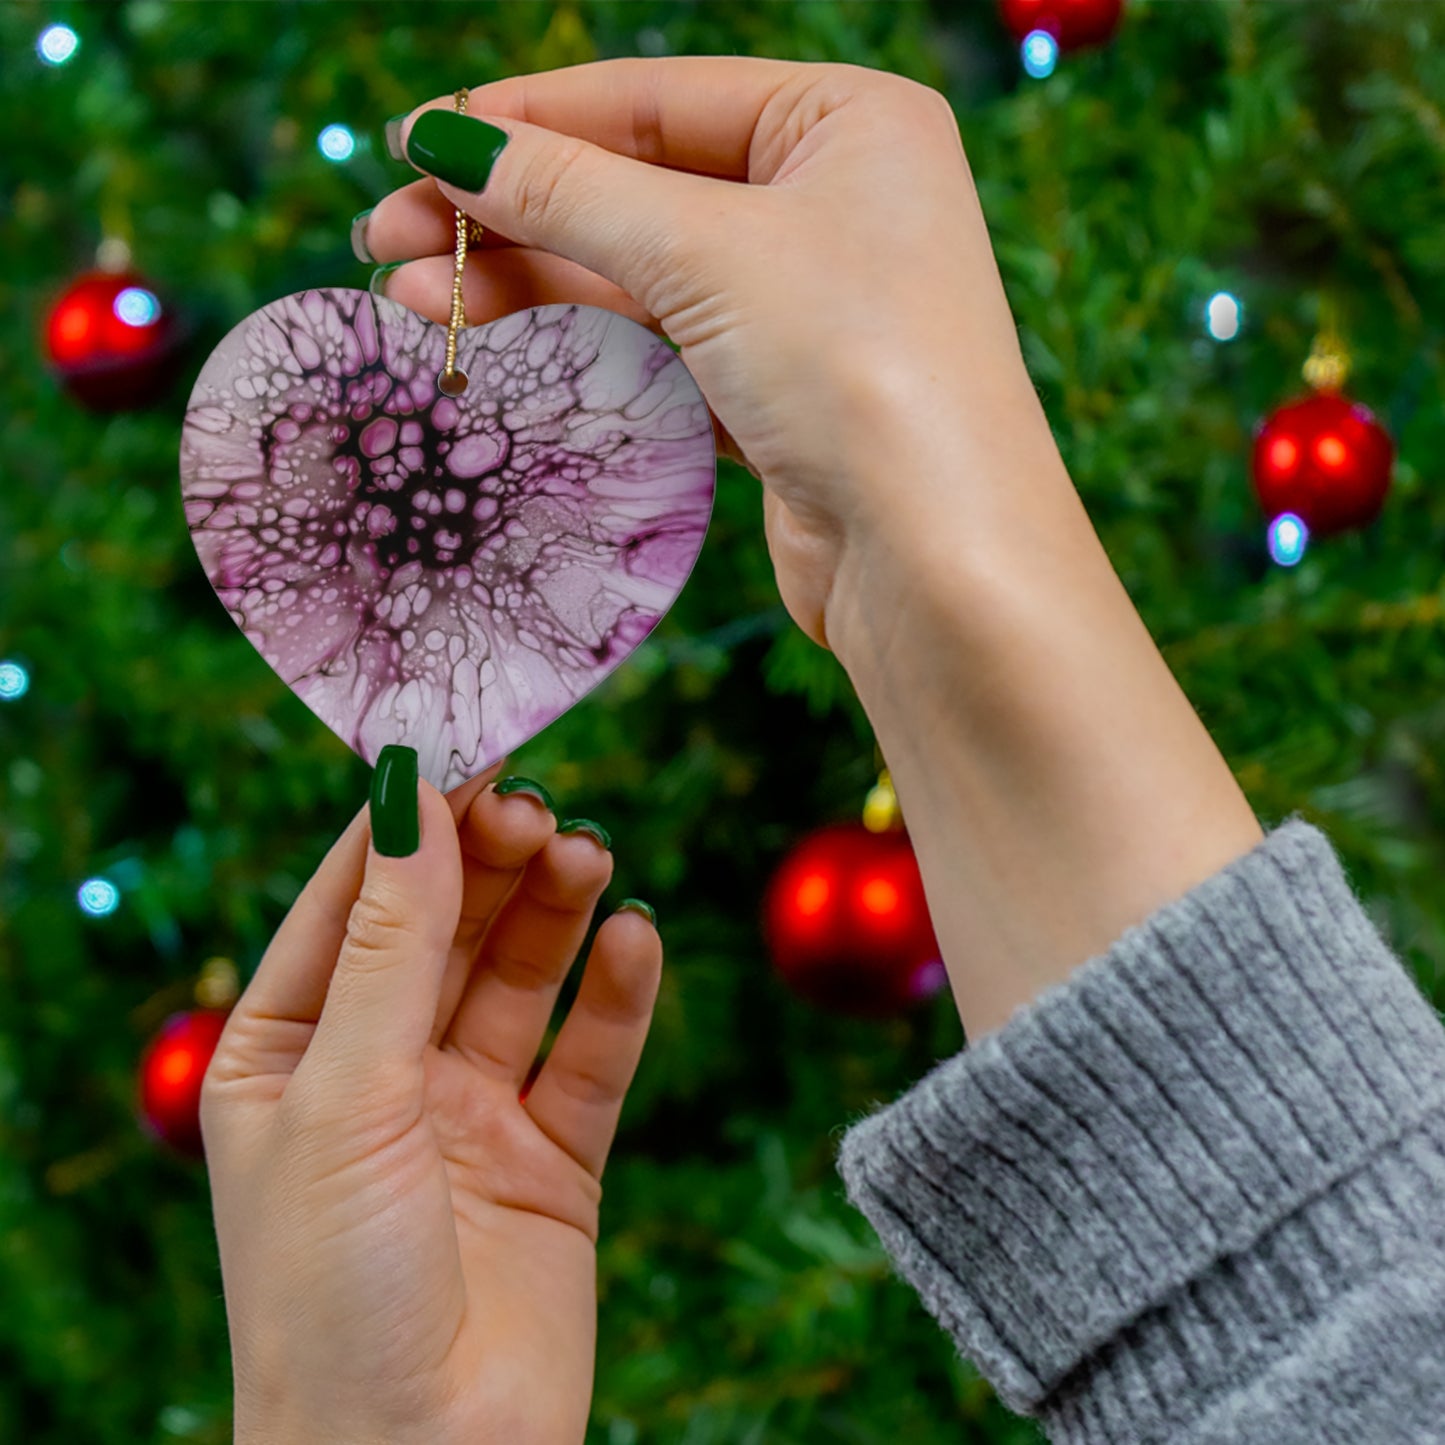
449, 572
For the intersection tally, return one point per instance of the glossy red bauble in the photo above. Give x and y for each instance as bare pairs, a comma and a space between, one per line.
1073, 23
1324, 458
171, 1071
847, 924
112, 341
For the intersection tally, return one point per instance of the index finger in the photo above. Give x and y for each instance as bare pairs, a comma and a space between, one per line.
695, 113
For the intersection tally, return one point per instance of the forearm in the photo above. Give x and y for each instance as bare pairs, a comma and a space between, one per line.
1056, 783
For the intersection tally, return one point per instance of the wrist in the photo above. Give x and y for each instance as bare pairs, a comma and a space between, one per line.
946, 467
1056, 783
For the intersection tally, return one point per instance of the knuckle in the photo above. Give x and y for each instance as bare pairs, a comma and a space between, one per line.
373, 931
648, 141
521, 970
850, 77
542, 188
227, 1066
586, 1086
213, 1085
847, 78
925, 101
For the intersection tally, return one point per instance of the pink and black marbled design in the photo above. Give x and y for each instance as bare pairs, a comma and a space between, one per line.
448, 573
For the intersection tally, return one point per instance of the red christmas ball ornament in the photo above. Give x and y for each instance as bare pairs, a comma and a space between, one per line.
1073, 23
1326, 459
171, 1071
111, 341
847, 925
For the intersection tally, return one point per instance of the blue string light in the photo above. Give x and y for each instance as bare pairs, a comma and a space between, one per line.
336, 143
57, 44
136, 306
98, 897
1288, 538
1223, 316
1040, 52
14, 681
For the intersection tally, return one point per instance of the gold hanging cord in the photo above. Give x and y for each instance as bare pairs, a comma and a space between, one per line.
453, 382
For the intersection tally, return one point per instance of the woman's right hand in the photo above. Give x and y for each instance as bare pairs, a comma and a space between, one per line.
842, 299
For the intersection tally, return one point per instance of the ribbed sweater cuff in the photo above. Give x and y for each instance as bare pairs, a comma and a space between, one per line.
1111, 1163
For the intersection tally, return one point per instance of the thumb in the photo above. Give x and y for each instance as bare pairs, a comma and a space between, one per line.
635, 224
382, 1000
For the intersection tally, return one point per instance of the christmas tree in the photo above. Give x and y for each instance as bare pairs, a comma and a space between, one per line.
1180, 215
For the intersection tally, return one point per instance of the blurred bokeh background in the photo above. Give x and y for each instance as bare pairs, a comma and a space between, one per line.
1183, 212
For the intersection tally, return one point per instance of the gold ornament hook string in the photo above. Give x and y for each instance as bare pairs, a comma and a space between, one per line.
453, 382
1328, 366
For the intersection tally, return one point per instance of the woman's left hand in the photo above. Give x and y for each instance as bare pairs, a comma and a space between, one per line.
407, 1243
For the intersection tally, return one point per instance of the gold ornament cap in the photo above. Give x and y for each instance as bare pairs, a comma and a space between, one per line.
881, 813
1328, 366
219, 985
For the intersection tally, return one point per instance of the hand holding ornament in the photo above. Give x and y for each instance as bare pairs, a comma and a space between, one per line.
406, 1208
808, 236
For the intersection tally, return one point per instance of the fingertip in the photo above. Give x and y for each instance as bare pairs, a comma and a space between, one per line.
407, 812
394, 131
636, 942
644, 910
424, 284
631, 960
413, 863
395, 810
571, 872
497, 833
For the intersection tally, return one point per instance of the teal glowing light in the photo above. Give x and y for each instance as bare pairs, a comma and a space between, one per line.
336, 143
14, 681
98, 897
1288, 537
1223, 316
57, 44
1040, 52
137, 307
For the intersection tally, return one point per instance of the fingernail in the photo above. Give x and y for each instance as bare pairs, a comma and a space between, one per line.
395, 820
393, 137
636, 905
377, 284
359, 248
526, 785
455, 148
586, 825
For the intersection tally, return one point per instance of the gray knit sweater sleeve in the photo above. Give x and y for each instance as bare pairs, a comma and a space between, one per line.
1197, 1191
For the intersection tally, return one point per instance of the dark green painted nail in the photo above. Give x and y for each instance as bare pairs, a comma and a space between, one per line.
395, 824
455, 148
526, 785
377, 284
586, 825
359, 247
636, 905
393, 136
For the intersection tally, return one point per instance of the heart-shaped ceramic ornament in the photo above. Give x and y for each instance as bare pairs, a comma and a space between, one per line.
448, 572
